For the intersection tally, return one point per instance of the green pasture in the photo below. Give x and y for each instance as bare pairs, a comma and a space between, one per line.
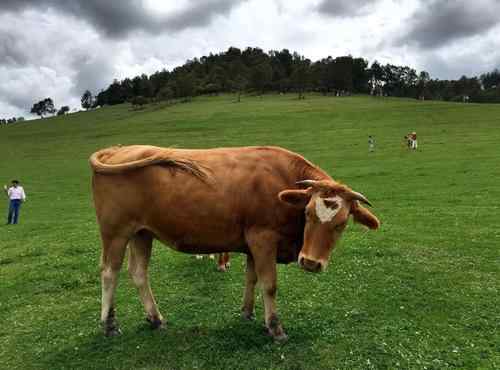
423, 292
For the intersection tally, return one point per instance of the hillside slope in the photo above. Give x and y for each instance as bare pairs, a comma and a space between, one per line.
421, 292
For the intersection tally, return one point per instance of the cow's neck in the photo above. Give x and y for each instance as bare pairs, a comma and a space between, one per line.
308, 171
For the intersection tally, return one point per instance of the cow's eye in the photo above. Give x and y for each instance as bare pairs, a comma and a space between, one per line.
340, 227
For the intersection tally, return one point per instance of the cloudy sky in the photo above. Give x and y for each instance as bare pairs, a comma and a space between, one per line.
60, 48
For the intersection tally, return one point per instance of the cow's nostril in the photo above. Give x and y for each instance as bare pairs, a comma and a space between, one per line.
310, 265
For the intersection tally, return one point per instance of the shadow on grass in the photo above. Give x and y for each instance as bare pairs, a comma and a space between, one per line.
212, 343
237, 344
213, 337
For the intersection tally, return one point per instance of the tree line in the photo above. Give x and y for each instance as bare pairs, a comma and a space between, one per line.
8, 121
41, 108
253, 70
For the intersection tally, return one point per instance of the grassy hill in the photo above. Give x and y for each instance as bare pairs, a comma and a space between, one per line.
420, 293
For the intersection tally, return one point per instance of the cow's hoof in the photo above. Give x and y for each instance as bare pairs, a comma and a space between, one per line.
112, 330
156, 323
275, 329
279, 336
250, 316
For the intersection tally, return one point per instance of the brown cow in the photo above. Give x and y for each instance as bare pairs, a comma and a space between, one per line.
267, 202
222, 260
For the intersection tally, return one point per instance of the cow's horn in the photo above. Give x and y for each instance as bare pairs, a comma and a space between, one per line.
307, 182
361, 198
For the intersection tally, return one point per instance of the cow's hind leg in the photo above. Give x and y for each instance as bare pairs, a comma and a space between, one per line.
247, 311
139, 255
113, 251
223, 262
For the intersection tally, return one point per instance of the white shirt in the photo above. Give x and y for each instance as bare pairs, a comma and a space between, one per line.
16, 193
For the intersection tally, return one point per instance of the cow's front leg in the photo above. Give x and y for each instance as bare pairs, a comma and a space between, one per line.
263, 246
249, 296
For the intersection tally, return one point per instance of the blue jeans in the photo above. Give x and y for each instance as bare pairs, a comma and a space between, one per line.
14, 206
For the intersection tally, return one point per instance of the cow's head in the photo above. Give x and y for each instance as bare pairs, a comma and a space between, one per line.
327, 206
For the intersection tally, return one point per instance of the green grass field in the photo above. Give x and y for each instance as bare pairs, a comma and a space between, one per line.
420, 293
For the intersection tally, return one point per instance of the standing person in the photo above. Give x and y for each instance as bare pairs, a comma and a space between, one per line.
414, 144
408, 140
16, 196
371, 143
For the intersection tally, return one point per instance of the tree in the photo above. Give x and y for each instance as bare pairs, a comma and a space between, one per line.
165, 94
184, 86
239, 84
139, 86
376, 81
43, 107
87, 100
64, 109
342, 74
116, 93
139, 101
261, 76
360, 75
491, 80
301, 74
423, 80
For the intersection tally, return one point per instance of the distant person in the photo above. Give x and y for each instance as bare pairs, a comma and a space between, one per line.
408, 141
411, 140
414, 143
16, 196
371, 143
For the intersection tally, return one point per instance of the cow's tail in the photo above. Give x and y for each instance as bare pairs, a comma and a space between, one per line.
99, 165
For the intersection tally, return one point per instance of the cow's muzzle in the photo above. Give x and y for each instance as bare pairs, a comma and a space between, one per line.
310, 265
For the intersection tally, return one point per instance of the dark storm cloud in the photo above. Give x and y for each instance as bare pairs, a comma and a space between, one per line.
117, 18
344, 8
437, 22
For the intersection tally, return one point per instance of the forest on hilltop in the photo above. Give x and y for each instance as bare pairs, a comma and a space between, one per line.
253, 70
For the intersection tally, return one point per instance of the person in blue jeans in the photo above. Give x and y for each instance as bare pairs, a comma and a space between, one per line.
16, 196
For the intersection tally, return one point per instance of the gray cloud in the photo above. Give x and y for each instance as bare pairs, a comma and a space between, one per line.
345, 8
16, 98
11, 49
37, 60
118, 18
22, 86
437, 23
91, 72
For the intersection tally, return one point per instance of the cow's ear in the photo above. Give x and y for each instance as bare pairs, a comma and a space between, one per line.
365, 217
296, 198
